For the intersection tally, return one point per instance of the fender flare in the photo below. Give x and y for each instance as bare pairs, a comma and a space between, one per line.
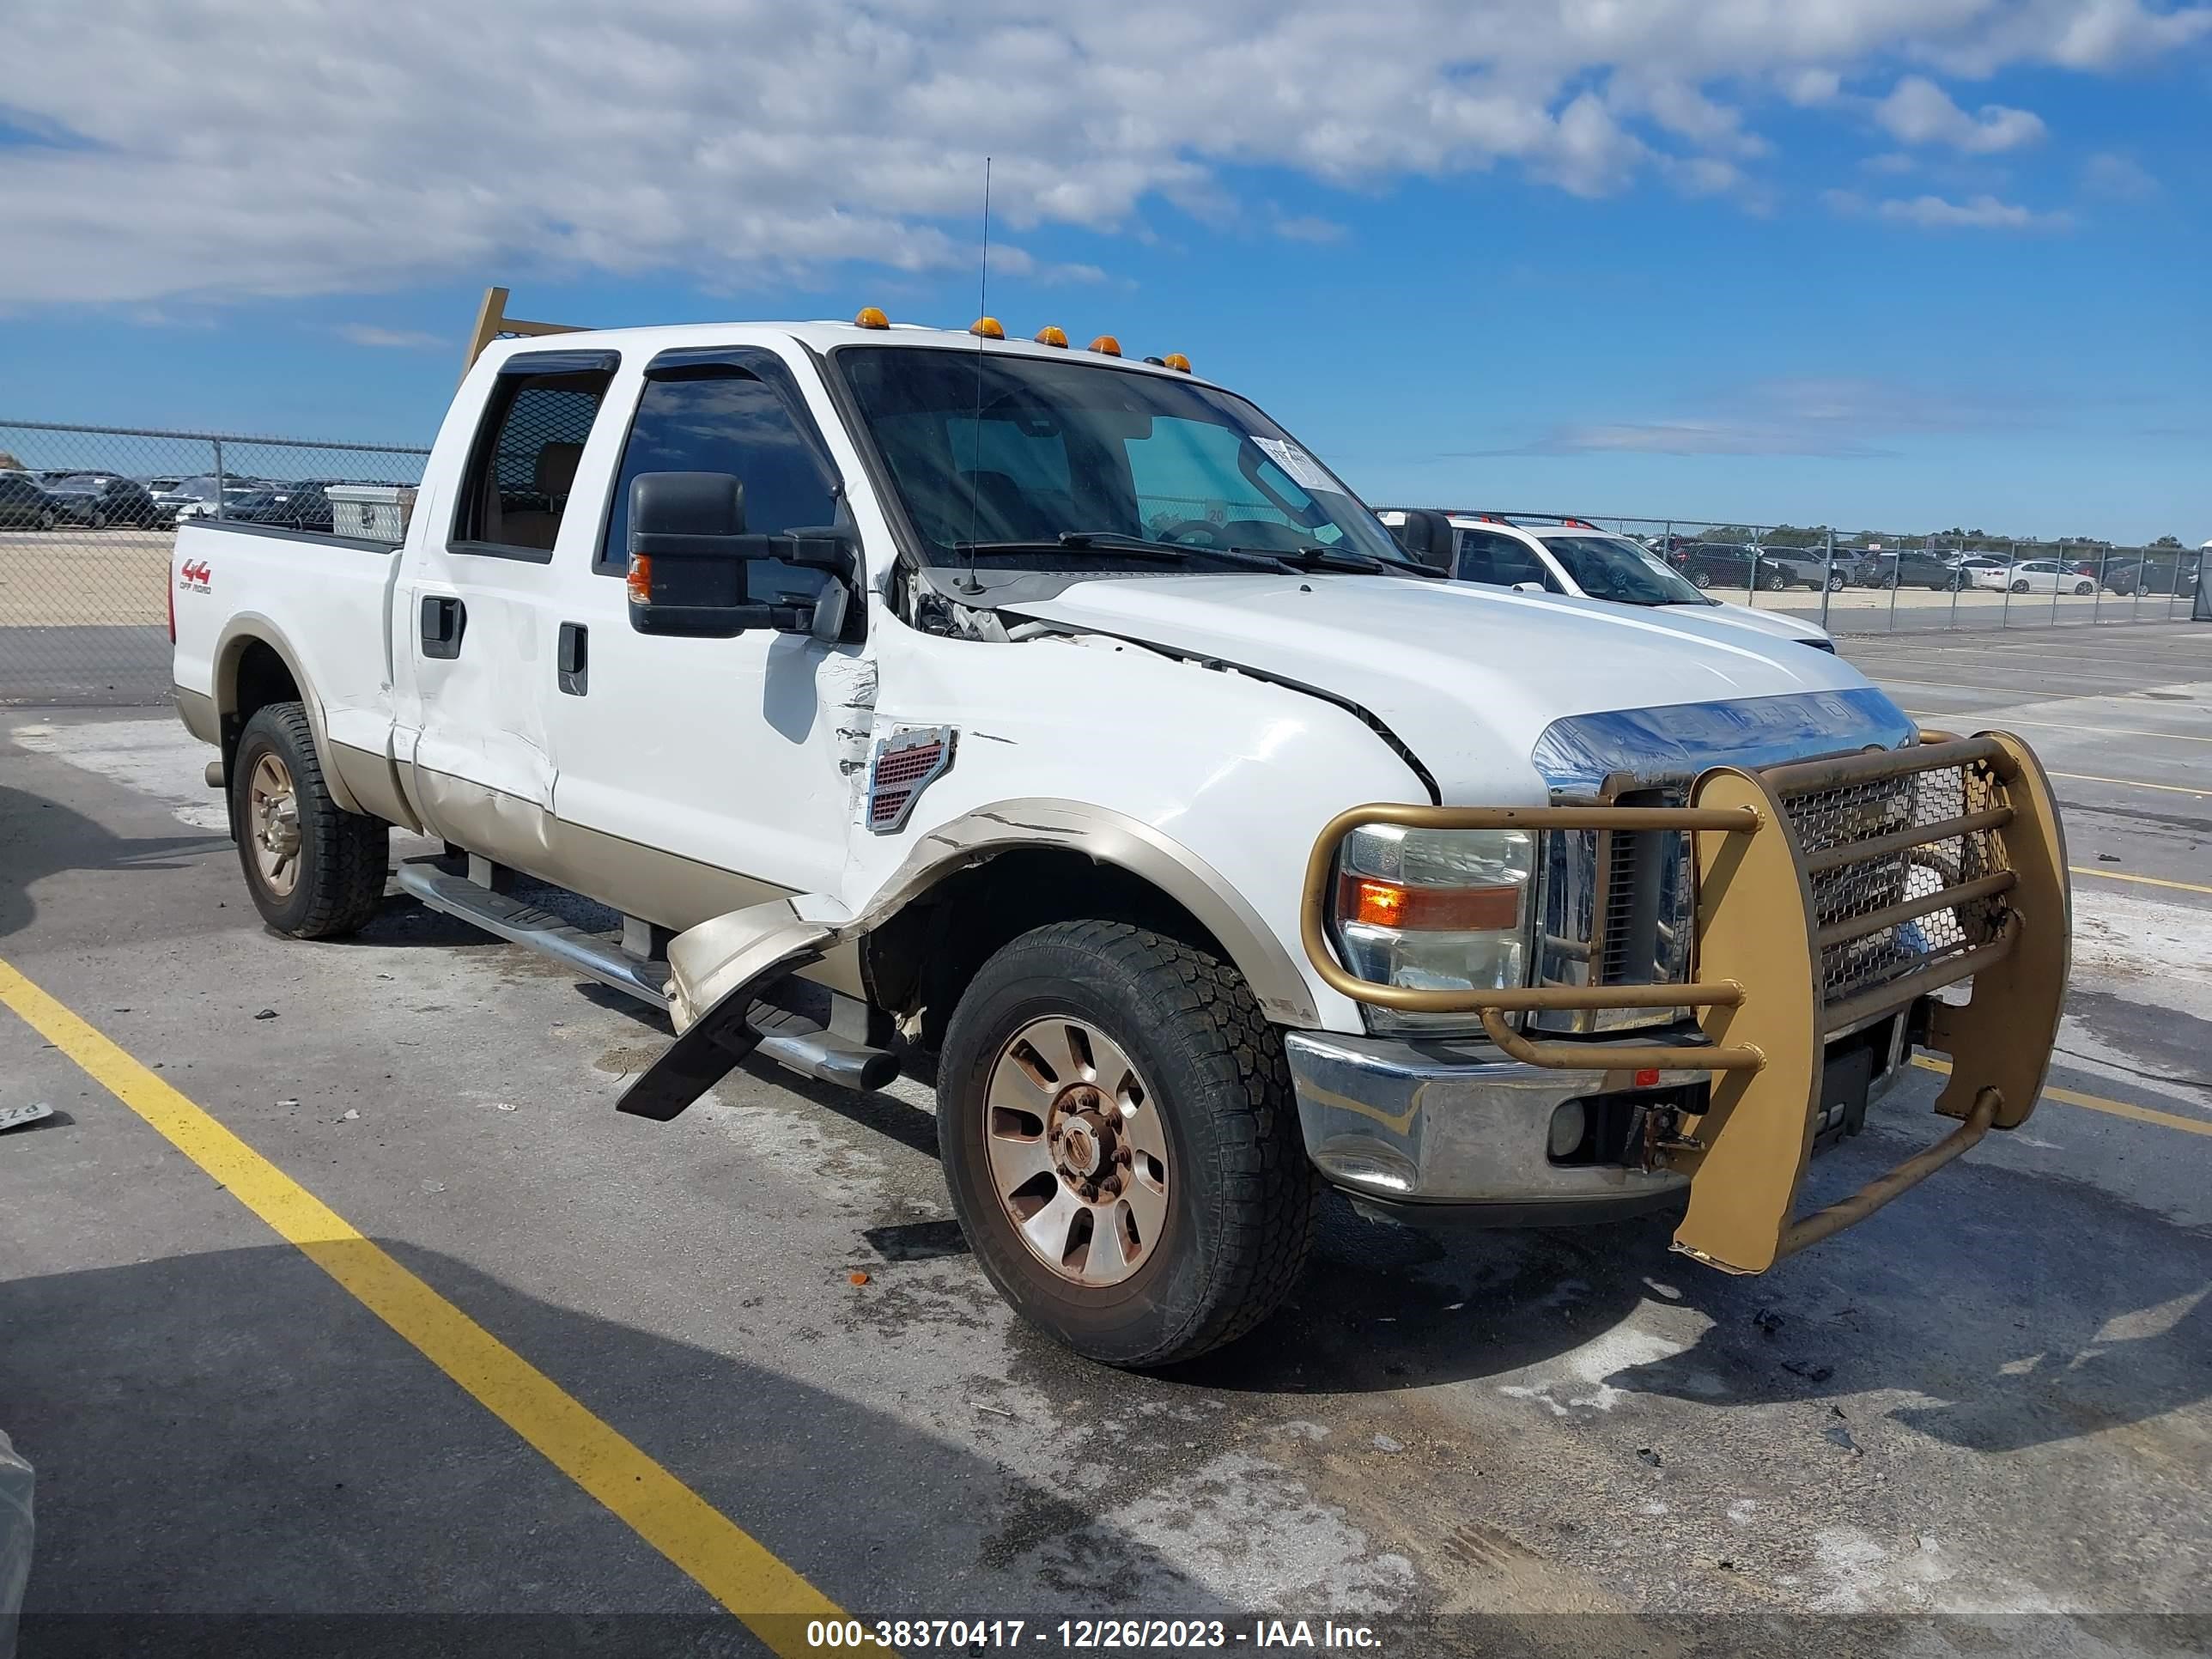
249, 628
1108, 838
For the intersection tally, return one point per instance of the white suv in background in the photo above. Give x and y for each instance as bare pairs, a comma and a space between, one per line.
1573, 558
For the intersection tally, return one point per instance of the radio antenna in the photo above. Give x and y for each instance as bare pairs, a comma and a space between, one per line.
975, 441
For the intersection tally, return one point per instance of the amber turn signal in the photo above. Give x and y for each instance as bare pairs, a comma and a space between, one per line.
1427, 909
641, 578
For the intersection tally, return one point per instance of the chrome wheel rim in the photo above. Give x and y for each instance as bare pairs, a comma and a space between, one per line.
1076, 1151
272, 819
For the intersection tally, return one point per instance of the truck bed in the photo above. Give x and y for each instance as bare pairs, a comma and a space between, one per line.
324, 600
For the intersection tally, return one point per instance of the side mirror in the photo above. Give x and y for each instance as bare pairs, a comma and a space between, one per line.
691, 559
1427, 536
1527, 588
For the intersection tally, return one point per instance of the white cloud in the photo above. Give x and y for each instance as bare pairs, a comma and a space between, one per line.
190, 150
1976, 213
2121, 178
1918, 112
1311, 227
402, 339
1845, 418
1889, 161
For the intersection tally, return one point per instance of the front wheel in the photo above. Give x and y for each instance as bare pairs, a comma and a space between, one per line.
1835, 583
1120, 1137
2082, 589
313, 870
1704, 579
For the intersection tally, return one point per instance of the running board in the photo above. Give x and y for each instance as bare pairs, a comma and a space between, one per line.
791, 1040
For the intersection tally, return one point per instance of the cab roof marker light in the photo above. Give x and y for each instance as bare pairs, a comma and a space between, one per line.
1051, 335
1177, 361
986, 328
872, 316
1106, 346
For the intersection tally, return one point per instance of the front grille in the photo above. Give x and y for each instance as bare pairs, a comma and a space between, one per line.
1619, 908
1826, 819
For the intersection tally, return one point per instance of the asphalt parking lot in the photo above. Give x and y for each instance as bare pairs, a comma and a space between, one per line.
442, 1354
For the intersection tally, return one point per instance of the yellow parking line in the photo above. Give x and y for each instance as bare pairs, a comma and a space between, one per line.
2191, 1126
2132, 783
2141, 881
773, 1601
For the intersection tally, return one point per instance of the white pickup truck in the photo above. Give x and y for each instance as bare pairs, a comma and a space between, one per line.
1073, 726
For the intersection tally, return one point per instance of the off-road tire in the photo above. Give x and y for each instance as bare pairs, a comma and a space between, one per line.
343, 857
1243, 1198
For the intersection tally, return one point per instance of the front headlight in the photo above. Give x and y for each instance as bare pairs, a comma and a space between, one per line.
1434, 911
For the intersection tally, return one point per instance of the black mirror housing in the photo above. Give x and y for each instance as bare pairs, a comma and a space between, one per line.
1428, 537
690, 559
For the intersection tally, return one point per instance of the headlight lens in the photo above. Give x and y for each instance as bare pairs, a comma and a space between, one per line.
1434, 911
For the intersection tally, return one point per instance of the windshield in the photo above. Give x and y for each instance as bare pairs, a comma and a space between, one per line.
1611, 568
1044, 450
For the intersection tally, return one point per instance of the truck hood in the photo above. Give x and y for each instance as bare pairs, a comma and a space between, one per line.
1772, 623
1470, 678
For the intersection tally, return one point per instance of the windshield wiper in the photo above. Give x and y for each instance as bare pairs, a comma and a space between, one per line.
1114, 542
1312, 556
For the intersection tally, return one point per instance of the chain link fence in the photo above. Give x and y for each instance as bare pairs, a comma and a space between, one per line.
88, 514
1880, 582
88, 517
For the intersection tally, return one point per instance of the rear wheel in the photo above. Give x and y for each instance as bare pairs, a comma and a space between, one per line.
2020, 587
1704, 579
1835, 581
1775, 582
315, 870
1119, 1138
45, 518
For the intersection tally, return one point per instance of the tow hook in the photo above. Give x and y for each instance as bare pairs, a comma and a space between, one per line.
1663, 1136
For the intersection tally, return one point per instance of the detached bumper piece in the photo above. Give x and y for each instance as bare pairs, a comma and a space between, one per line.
1830, 894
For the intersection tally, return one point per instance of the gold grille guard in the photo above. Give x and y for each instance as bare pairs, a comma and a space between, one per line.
1757, 989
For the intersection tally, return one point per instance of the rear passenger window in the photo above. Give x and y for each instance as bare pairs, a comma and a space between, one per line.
524, 463
722, 417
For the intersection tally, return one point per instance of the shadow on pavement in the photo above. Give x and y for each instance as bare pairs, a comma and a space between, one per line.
41, 838
234, 1456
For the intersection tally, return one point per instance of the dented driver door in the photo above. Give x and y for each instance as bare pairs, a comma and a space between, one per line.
707, 773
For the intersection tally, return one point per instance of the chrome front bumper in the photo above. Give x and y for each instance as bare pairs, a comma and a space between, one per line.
1453, 1122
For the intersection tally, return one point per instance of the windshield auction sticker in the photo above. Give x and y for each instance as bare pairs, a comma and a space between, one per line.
1304, 470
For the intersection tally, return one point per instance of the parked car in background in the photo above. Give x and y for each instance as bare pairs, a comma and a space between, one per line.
1570, 556
2170, 572
1713, 564
24, 503
1909, 567
302, 504
1733, 564
239, 501
2032, 576
101, 499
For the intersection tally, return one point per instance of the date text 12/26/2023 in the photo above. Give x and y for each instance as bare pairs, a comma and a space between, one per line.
1086, 1635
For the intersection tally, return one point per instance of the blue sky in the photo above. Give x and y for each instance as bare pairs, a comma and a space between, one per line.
1852, 261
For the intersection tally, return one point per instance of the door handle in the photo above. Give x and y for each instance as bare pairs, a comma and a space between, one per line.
445, 619
572, 660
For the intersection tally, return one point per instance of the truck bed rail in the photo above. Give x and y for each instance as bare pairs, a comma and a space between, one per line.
1830, 894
